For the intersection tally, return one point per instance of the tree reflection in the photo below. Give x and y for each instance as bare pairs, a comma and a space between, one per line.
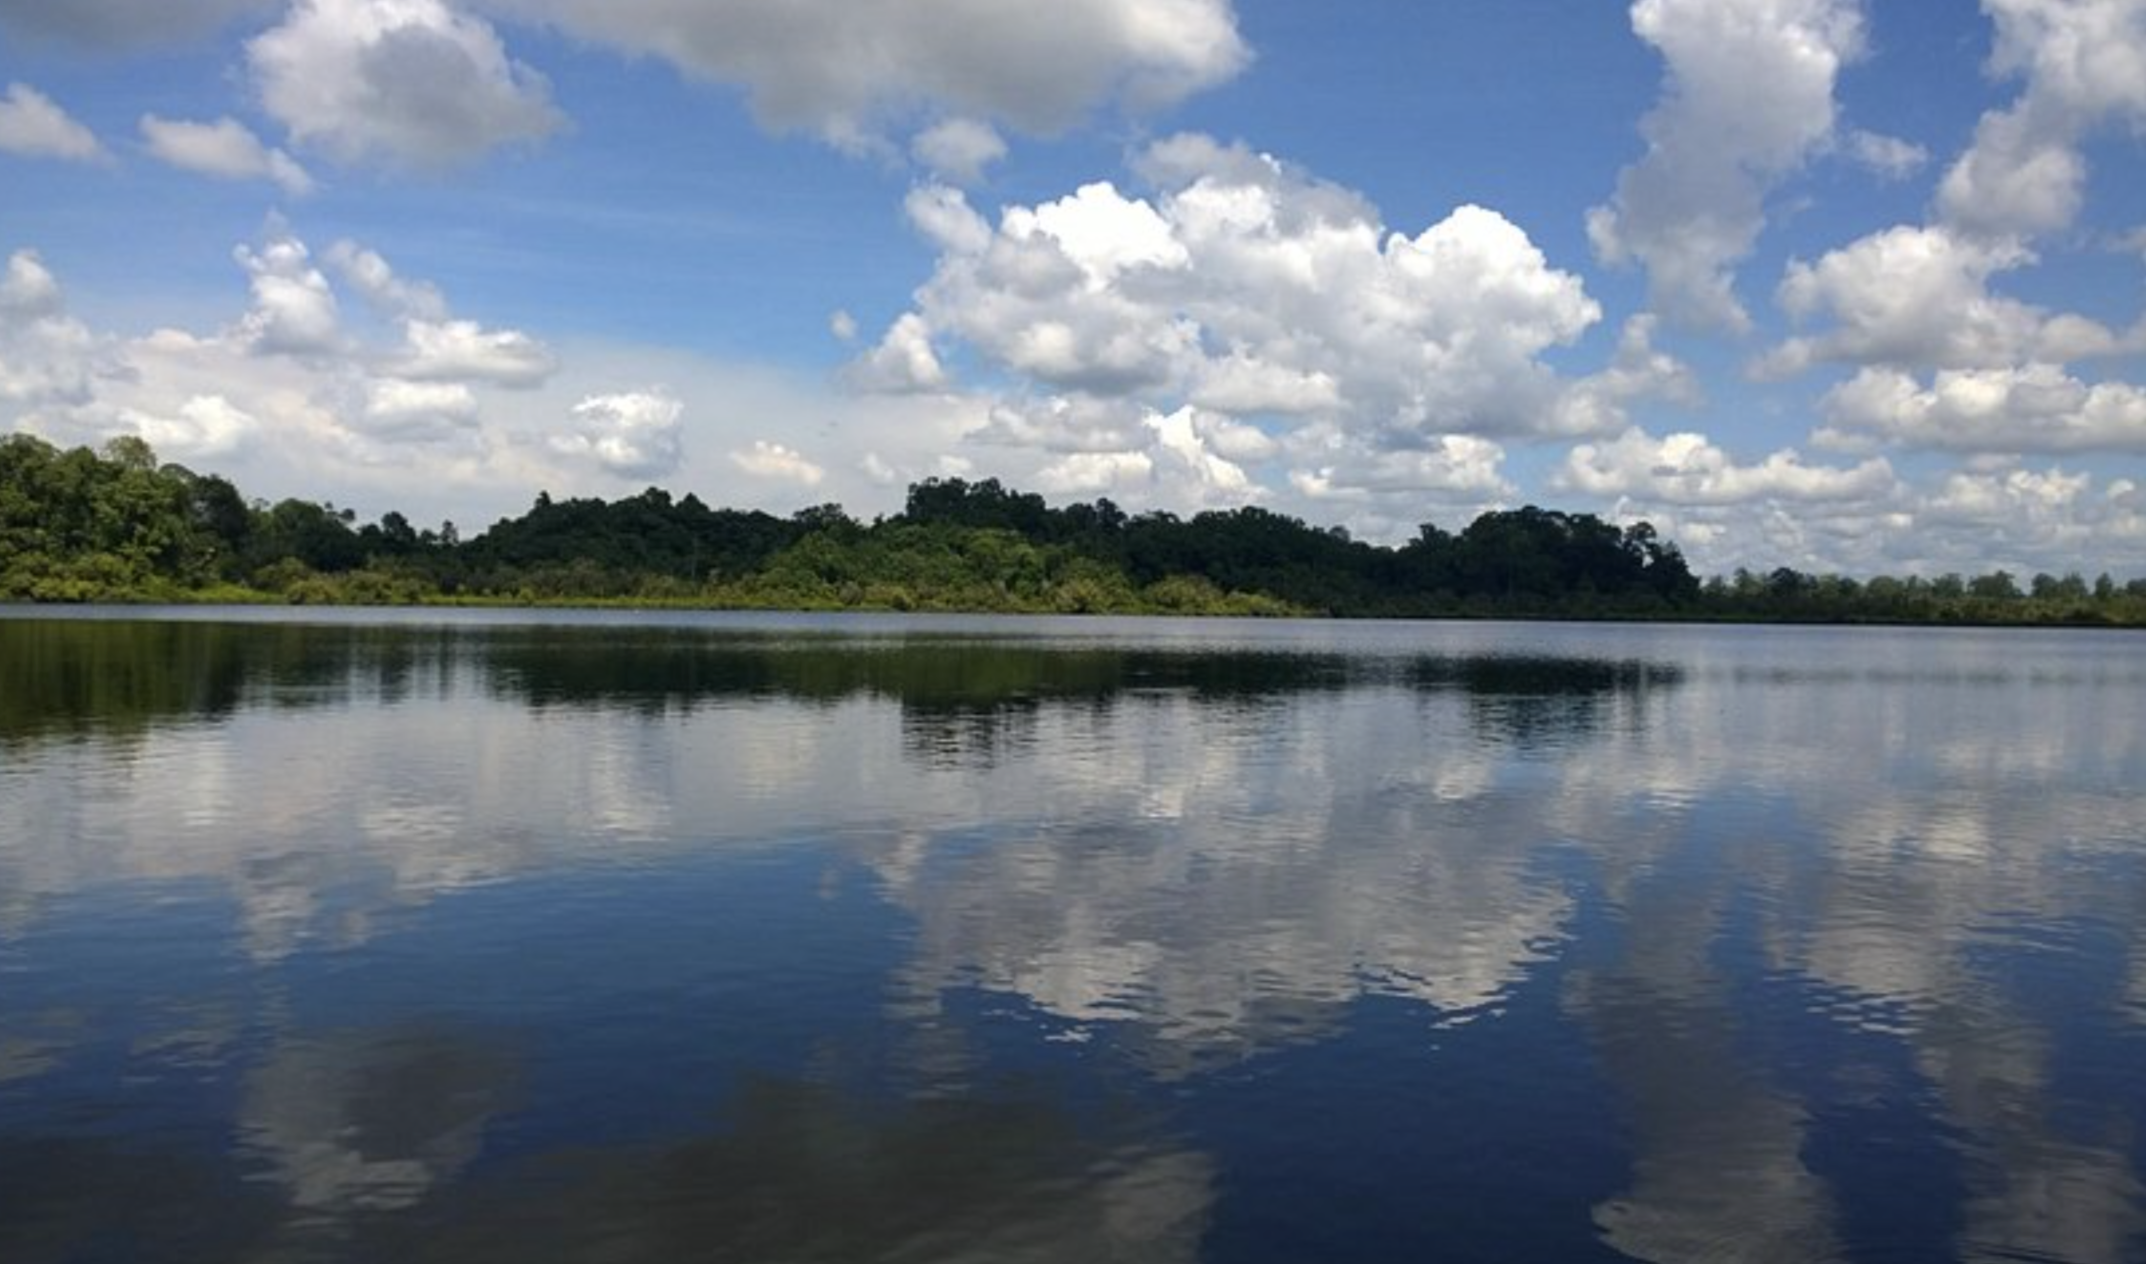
61, 677
64, 1200
797, 1171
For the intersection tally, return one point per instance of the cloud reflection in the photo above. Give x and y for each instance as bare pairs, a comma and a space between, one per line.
1729, 855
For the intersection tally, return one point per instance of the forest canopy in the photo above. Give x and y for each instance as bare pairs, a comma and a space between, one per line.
118, 525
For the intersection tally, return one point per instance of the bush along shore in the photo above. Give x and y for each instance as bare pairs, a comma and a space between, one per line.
117, 525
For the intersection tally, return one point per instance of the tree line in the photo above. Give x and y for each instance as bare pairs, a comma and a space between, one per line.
117, 525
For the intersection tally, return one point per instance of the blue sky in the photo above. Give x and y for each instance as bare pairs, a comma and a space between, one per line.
1832, 284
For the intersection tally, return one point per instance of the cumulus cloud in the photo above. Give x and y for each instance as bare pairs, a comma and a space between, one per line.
47, 357
777, 463
1599, 402
1097, 474
958, 149
436, 347
2035, 408
1249, 286
843, 69
2003, 498
947, 220
376, 282
1456, 466
1921, 297
1188, 459
1747, 98
61, 380
463, 350
1888, 156
122, 23
1242, 383
1173, 461
401, 81
226, 148
2084, 64
635, 434
286, 387
1689, 469
1968, 521
343, 424
902, 362
1240, 330
1063, 423
204, 426
2031, 520
294, 309
404, 410
28, 290
32, 126
1188, 441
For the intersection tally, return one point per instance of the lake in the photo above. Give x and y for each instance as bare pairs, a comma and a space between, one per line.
471, 936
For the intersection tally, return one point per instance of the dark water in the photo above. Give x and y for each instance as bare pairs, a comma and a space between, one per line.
786, 939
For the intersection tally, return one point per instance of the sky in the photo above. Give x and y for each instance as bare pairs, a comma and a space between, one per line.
1842, 285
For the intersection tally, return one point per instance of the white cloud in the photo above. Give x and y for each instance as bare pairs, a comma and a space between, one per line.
2032, 520
341, 424
877, 471
1747, 97
463, 350
204, 426
1248, 285
384, 291
396, 409
28, 291
2006, 498
436, 347
902, 362
1233, 439
843, 69
2084, 63
1888, 156
1173, 462
284, 398
405, 81
1240, 383
958, 149
1920, 296
633, 435
945, 217
122, 23
190, 398
1186, 438
2029, 520
1597, 404
1088, 474
226, 148
32, 126
1064, 423
294, 309
1689, 469
1457, 466
842, 325
777, 463
2035, 408
47, 357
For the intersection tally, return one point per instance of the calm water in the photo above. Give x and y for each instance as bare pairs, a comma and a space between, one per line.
785, 939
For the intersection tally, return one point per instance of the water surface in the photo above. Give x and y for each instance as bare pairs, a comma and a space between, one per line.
524, 937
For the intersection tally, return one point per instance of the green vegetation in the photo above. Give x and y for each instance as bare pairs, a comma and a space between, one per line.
116, 525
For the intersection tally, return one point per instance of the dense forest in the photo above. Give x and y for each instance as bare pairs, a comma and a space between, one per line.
118, 525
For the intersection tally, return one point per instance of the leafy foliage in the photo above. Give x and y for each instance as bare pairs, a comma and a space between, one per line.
116, 525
